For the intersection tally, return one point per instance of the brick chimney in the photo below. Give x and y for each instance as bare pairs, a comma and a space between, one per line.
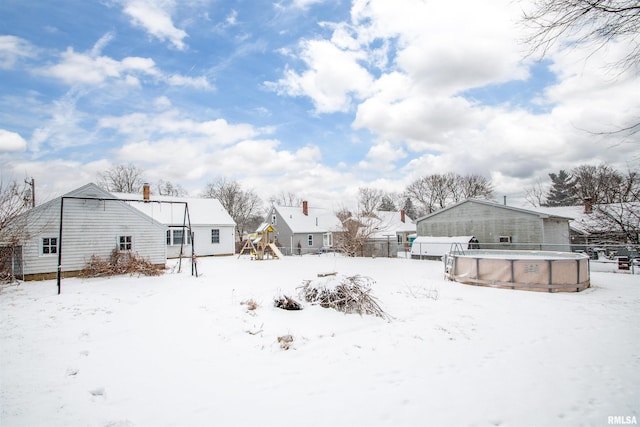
305, 208
402, 215
588, 207
146, 192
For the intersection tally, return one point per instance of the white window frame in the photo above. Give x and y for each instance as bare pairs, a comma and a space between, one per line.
505, 239
212, 236
310, 240
171, 241
49, 246
123, 244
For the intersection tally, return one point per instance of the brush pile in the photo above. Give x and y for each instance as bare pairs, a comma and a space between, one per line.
348, 294
286, 303
119, 263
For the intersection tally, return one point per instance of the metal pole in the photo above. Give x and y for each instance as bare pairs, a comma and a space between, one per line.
59, 271
33, 193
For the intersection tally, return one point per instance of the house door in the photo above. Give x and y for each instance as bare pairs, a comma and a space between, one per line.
17, 263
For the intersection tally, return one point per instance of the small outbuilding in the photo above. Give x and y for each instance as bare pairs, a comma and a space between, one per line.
434, 248
498, 226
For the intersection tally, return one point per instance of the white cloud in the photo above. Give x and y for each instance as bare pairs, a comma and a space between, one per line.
12, 49
94, 69
11, 141
332, 77
77, 67
148, 126
382, 157
155, 18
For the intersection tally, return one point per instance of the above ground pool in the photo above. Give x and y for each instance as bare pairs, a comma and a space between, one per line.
528, 270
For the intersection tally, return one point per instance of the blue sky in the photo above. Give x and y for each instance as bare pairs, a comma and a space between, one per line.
312, 97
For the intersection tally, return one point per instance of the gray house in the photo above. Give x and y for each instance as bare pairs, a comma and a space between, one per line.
498, 226
92, 225
302, 230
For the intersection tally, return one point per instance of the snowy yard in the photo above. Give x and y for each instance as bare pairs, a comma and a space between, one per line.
177, 350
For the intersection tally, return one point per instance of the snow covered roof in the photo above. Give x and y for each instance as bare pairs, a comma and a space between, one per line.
538, 212
201, 211
386, 223
579, 220
583, 222
317, 220
437, 246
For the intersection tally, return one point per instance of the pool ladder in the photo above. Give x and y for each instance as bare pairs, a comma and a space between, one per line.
456, 248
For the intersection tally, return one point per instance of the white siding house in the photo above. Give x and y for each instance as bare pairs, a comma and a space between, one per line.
91, 225
212, 227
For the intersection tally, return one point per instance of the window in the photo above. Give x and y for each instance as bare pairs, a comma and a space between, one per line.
49, 245
504, 239
274, 219
125, 243
310, 239
176, 236
400, 238
215, 235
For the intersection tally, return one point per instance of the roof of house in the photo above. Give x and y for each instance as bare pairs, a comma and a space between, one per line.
91, 191
390, 222
317, 220
539, 213
172, 212
580, 221
583, 222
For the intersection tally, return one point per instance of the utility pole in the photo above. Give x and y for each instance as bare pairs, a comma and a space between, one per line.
32, 184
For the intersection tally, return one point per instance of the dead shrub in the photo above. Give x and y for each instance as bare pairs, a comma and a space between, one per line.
286, 342
251, 304
348, 294
286, 303
119, 263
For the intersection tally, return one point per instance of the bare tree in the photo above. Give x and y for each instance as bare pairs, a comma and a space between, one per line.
369, 199
245, 207
420, 190
600, 183
593, 23
473, 186
616, 222
122, 179
14, 201
590, 23
356, 230
439, 190
286, 199
536, 194
166, 188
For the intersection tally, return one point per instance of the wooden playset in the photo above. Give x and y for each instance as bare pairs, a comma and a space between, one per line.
262, 244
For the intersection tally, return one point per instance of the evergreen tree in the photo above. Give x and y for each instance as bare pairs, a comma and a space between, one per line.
562, 191
409, 209
387, 204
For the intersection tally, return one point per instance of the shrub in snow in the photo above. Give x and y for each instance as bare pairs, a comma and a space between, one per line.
285, 342
349, 294
286, 303
251, 304
119, 263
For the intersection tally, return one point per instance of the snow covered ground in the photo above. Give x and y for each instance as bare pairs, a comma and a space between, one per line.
177, 350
